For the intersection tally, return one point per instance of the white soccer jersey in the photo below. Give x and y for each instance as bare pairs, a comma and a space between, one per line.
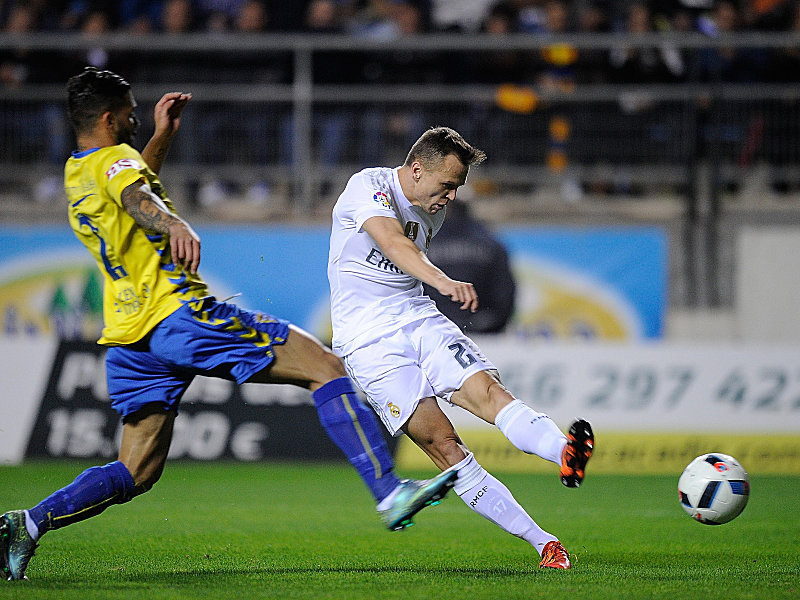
370, 296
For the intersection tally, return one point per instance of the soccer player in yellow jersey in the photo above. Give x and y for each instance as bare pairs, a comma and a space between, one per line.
162, 327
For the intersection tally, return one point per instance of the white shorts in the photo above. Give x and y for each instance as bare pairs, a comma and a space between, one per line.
429, 357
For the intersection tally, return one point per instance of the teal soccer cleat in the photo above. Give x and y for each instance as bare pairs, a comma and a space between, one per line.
414, 496
16, 545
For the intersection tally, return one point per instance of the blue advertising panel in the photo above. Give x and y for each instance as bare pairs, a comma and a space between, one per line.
596, 283
608, 283
280, 270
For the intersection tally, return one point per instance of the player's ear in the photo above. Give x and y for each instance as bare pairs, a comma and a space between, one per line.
416, 170
107, 119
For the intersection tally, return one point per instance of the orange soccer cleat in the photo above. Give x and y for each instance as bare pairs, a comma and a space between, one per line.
577, 452
555, 556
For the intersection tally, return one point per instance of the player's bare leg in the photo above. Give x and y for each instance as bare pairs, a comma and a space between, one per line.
305, 362
483, 395
146, 437
302, 361
431, 430
145, 443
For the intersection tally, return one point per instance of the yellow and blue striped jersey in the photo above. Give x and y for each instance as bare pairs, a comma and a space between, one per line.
142, 285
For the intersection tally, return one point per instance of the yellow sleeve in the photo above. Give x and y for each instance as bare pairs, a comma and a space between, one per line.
123, 166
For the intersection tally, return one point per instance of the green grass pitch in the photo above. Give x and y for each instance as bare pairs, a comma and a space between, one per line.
243, 531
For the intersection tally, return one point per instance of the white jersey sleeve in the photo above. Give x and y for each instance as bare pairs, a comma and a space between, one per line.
369, 294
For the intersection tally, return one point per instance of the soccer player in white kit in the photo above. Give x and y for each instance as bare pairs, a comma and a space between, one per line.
404, 354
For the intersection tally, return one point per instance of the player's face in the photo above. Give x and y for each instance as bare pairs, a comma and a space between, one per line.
437, 186
125, 122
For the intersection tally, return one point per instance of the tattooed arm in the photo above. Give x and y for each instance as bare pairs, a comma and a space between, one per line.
152, 214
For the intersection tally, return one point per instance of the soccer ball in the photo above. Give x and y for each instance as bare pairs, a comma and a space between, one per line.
714, 488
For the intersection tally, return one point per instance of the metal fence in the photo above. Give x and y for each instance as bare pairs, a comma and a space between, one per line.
279, 122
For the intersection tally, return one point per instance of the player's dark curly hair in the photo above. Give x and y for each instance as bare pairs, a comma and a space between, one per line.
92, 93
437, 143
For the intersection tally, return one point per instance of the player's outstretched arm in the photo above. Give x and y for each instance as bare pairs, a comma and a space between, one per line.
151, 213
388, 233
167, 116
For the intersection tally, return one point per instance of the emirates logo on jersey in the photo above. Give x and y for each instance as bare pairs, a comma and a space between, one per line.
382, 199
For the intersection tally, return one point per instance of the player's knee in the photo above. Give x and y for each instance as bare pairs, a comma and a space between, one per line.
484, 395
330, 366
145, 479
498, 395
144, 486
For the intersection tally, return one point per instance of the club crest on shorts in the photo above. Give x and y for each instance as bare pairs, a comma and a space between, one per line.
394, 410
382, 199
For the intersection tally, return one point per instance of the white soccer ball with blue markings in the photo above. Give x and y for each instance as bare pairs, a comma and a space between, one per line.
714, 488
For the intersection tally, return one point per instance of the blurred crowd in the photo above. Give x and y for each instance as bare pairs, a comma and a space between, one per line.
247, 133
387, 19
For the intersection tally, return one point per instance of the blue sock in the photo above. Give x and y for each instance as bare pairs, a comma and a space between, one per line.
91, 493
353, 427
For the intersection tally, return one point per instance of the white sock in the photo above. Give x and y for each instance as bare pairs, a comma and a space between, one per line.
30, 525
387, 502
530, 431
488, 497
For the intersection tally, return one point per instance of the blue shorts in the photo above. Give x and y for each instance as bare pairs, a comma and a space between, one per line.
203, 338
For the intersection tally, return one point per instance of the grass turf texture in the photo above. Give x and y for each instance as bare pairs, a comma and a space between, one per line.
310, 531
